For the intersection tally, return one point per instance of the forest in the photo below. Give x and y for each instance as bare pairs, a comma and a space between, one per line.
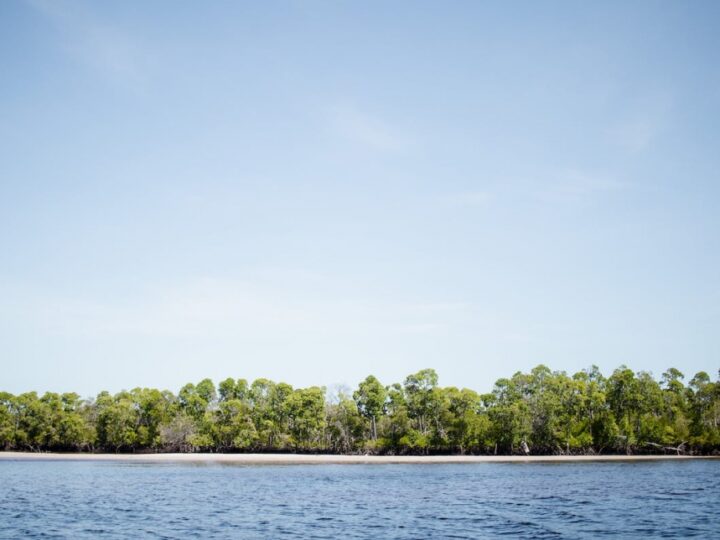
541, 412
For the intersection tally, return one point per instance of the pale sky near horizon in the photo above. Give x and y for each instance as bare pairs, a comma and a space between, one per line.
315, 191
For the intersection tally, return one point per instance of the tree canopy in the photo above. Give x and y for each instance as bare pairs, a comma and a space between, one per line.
540, 412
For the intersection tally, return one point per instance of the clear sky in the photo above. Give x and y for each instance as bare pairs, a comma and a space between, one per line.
315, 191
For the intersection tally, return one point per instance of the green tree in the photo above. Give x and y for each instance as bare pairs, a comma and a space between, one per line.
7, 421
421, 398
233, 426
117, 421
345, 425
305, 409
370, 399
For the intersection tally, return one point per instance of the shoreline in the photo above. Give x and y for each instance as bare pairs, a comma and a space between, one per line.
320, 459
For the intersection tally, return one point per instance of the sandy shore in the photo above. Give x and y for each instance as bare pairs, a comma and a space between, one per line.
289, 459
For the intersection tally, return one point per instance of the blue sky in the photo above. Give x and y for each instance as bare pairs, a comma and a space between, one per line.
316, 191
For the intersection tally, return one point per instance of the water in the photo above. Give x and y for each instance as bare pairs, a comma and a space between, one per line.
566, 500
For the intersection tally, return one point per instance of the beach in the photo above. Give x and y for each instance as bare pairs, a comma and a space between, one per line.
290, 459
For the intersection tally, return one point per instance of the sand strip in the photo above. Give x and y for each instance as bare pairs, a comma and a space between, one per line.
290, 459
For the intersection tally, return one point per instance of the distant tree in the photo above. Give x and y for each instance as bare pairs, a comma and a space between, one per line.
305, 409
117, 421
370, 399
344, 425
232, 389
7, 423
178, 434
542, 411
233, 427
420, 398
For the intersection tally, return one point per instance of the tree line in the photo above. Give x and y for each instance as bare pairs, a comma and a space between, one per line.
541, 412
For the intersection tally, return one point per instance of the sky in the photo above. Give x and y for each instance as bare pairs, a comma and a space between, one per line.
316, 191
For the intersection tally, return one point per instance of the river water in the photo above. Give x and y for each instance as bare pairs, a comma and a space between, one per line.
566, 500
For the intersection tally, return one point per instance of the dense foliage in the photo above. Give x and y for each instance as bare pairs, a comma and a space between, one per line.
541, 412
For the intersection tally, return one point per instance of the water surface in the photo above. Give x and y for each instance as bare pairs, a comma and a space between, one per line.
534, 500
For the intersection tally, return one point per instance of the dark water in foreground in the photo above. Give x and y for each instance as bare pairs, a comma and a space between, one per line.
566, 500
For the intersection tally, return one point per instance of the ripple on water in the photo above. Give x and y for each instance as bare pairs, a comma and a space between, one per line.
110, 500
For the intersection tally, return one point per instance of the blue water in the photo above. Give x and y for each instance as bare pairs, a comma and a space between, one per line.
567, 500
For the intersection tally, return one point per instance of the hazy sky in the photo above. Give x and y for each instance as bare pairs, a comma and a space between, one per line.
316, 191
